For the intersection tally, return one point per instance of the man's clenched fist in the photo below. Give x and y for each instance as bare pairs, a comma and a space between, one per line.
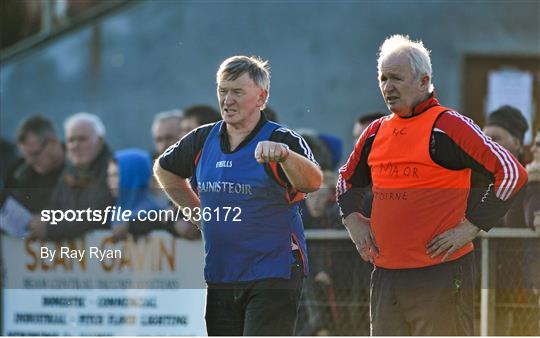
268, 151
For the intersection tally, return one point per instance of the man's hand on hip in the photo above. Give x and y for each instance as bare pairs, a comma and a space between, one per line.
268, 151
452, 240
362, 236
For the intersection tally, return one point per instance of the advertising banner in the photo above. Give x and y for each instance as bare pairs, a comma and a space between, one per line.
92, 286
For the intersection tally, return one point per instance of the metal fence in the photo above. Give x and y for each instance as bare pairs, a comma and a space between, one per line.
336, 294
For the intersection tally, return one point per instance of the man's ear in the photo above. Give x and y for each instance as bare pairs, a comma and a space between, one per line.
262, 98
424, 82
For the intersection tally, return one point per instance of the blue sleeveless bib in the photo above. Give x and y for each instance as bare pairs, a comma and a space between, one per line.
252, 241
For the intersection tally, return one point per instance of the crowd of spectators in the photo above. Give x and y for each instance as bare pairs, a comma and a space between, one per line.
82, 172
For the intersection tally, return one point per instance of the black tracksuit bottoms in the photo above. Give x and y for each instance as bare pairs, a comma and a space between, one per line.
435, 300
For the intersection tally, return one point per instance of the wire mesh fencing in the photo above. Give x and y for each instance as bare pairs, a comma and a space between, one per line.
335, 300
336, 294
516, 281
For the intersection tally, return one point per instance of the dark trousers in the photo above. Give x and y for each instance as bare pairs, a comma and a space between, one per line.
435, 300
266, 307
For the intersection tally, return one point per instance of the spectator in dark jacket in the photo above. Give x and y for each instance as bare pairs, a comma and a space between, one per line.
32, 179
83, 183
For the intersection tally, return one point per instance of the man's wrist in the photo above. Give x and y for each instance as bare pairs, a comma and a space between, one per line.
474, 230
287, 153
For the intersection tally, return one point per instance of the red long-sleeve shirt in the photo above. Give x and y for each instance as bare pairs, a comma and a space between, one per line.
456, 143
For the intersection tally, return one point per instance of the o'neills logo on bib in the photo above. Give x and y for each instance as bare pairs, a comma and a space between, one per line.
224, 164
226, 187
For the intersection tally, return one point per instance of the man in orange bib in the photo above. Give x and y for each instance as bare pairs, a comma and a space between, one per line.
416, 166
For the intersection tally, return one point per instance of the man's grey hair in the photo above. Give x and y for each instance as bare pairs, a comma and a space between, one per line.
169, 114
91, 119
416, 52
257, 69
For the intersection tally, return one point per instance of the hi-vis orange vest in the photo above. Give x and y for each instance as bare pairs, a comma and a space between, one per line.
414, 199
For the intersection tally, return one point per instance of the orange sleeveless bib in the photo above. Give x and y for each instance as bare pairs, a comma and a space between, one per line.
414, 199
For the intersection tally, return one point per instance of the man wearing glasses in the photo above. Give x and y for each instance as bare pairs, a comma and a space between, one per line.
33, 177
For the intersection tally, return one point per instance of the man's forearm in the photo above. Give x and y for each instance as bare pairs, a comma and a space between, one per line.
303, 174
177, 188
359, 229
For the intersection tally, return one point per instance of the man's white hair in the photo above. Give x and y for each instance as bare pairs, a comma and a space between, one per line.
169, 114
91, 119
416, 52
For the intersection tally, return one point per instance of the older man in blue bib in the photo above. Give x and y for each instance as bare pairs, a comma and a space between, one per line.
248, 174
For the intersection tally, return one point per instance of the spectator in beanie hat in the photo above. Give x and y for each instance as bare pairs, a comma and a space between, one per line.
507, 127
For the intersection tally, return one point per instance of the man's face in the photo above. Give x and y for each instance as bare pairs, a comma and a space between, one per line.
166, 133
504, 138
83, 145
113, 178
401, 89
39, 154
188, 124
239, 99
